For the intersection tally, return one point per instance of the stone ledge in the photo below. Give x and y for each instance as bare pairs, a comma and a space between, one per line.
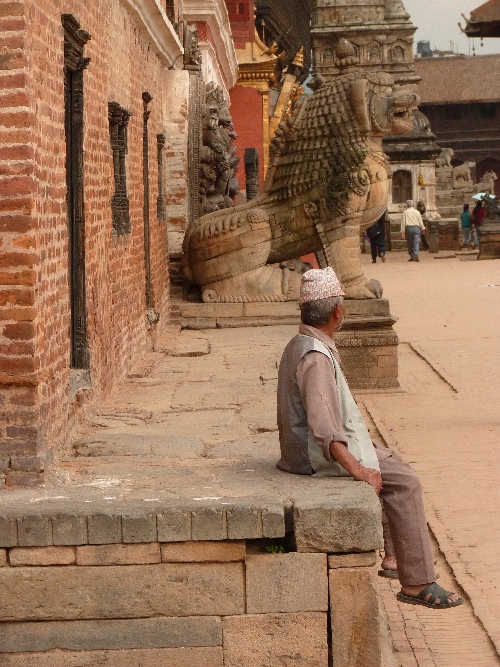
242, 518
120, 592
173, 657
367, 559
344, 520
110, 634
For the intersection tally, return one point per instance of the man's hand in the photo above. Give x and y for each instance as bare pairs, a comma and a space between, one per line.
371, 477
340, 453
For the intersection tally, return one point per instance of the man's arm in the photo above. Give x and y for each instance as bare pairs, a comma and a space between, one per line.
340, 453
319, 395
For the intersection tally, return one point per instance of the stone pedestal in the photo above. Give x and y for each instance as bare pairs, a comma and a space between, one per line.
368, 345
490, 240
367, 342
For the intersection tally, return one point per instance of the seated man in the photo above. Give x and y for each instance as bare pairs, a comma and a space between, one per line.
322, 432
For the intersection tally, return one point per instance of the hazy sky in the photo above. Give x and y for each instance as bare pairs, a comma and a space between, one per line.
437, 22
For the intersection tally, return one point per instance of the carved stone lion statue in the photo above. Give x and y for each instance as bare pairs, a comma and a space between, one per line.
327, 181
462, 177
445, 157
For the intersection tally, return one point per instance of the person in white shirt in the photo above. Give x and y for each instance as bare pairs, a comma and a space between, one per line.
412, 226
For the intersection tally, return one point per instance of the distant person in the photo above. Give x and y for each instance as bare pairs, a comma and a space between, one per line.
376, 234
412, 226
478, 215
422, 209
466, 222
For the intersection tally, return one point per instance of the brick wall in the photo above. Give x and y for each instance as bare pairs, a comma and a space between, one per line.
37, 409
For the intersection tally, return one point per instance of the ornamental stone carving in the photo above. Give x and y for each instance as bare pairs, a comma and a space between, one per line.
218, 159
327, 180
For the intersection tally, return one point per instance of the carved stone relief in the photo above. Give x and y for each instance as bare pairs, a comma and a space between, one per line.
74, 65
218, 158
118, 121
160, 201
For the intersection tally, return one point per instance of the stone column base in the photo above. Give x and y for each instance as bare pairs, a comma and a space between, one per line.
368, 345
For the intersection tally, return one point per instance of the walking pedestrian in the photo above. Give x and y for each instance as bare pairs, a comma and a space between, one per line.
421, 208
478, 215
322, 432
411, 227
376, 234
465, 220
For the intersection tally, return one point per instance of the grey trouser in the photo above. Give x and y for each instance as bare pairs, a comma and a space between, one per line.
412, 233
405, 527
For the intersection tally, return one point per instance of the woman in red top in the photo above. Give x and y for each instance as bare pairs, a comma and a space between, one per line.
478, 215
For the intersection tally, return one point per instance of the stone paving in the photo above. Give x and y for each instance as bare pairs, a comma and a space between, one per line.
197, 422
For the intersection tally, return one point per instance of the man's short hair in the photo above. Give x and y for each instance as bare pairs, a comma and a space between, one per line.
409, 202
314, 313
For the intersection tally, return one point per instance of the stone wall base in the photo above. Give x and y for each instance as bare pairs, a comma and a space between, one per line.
186, 604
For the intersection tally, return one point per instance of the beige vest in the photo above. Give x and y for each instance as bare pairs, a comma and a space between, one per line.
300, 453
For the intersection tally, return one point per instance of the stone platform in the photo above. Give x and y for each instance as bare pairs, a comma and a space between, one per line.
367, 341
165, 534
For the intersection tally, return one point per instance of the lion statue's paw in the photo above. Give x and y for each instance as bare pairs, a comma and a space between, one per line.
370, 289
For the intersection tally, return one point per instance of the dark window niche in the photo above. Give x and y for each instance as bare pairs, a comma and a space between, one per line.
488, 110
402, 188
118, 121
453, 112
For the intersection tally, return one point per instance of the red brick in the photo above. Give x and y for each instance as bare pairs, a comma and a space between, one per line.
22, 365
12, 9
25, 242
16, 119
23, 479
19, 331
27, 463
17, 136
16, 185
11, 41
10, 380
18, 448
28, 432
24, 397
17, 348
17, 259
9, 80
11, 60
9, 24
21, 152
19, 297
18, 278
15, 223
19, 314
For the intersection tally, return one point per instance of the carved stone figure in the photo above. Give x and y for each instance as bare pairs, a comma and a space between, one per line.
487, 183
327, 179
462, 177
219, 162
444, 160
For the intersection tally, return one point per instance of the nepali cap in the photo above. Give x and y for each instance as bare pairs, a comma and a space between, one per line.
319, 284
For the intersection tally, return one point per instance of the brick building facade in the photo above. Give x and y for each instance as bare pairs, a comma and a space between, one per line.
92, 167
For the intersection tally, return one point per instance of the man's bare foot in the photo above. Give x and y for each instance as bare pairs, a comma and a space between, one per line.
389, 563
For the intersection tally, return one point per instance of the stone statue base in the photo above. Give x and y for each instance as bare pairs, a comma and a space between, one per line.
489, 247
368, 345
367, 342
